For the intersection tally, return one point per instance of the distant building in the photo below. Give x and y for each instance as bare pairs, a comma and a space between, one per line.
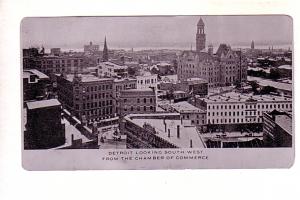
91, 48
87, 97
278, 129
34, 85
224, 68
105, 52
50, 64
252, 45
147, 80
200, 36
55, 51
137, 101
164, 130
109, 69
44, 128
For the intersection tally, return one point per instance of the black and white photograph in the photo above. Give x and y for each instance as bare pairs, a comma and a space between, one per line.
157, 92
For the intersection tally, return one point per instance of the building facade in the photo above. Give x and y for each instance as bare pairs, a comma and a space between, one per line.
236, 108
87, 97
43, 128
135, 101
147, 80
226, 67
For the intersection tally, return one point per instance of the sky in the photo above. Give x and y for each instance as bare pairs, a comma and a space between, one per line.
155, 31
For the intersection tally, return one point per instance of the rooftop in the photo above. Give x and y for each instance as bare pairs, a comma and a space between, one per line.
185, 107
114, 65
238, 97
43, 104
285, 122
267, 82
28, 72
187, 133
86, 78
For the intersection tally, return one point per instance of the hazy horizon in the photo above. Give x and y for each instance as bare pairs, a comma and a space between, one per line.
156, 31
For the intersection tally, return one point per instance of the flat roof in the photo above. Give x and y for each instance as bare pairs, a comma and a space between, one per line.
187, 133
266, 82
241, 97
27, 72
86, 78
43, 103
185, 107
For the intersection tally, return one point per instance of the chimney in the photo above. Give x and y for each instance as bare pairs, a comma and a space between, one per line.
165, 126
191, 143
72, 139
169, 134
178, 131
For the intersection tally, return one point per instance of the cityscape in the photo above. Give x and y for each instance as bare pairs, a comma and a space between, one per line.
154, 88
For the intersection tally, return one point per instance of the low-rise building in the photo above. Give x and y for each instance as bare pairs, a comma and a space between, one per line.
189, 112
137, 101
43, 126
88, 97
109, 69
278, 129
147, 80
123, 84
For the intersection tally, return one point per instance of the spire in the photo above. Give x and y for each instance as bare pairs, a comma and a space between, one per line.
200, 22
105, 51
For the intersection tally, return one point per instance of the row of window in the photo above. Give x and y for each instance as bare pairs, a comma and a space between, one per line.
252, 106
139, 101
98, 112
188, 116
95, 88
221, 121
147, 81
247, 113
96, 104
138, 108
93, 96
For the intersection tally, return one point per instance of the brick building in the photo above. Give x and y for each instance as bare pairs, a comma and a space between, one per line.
87, 97
137, 101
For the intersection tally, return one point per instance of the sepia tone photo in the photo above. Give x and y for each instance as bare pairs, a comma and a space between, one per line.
149, 87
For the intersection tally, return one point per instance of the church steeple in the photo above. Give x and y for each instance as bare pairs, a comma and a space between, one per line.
105, 51
200, 36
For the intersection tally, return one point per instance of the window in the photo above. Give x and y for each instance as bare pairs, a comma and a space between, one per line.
145, 100
145, 108
138, 100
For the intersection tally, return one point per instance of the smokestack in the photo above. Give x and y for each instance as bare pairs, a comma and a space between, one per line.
169, 134
178, 131
181, 120
191, 143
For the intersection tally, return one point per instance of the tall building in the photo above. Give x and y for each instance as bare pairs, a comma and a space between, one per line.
105, 52
200, 36
252, 45
87, 97
224, 68
43, 127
